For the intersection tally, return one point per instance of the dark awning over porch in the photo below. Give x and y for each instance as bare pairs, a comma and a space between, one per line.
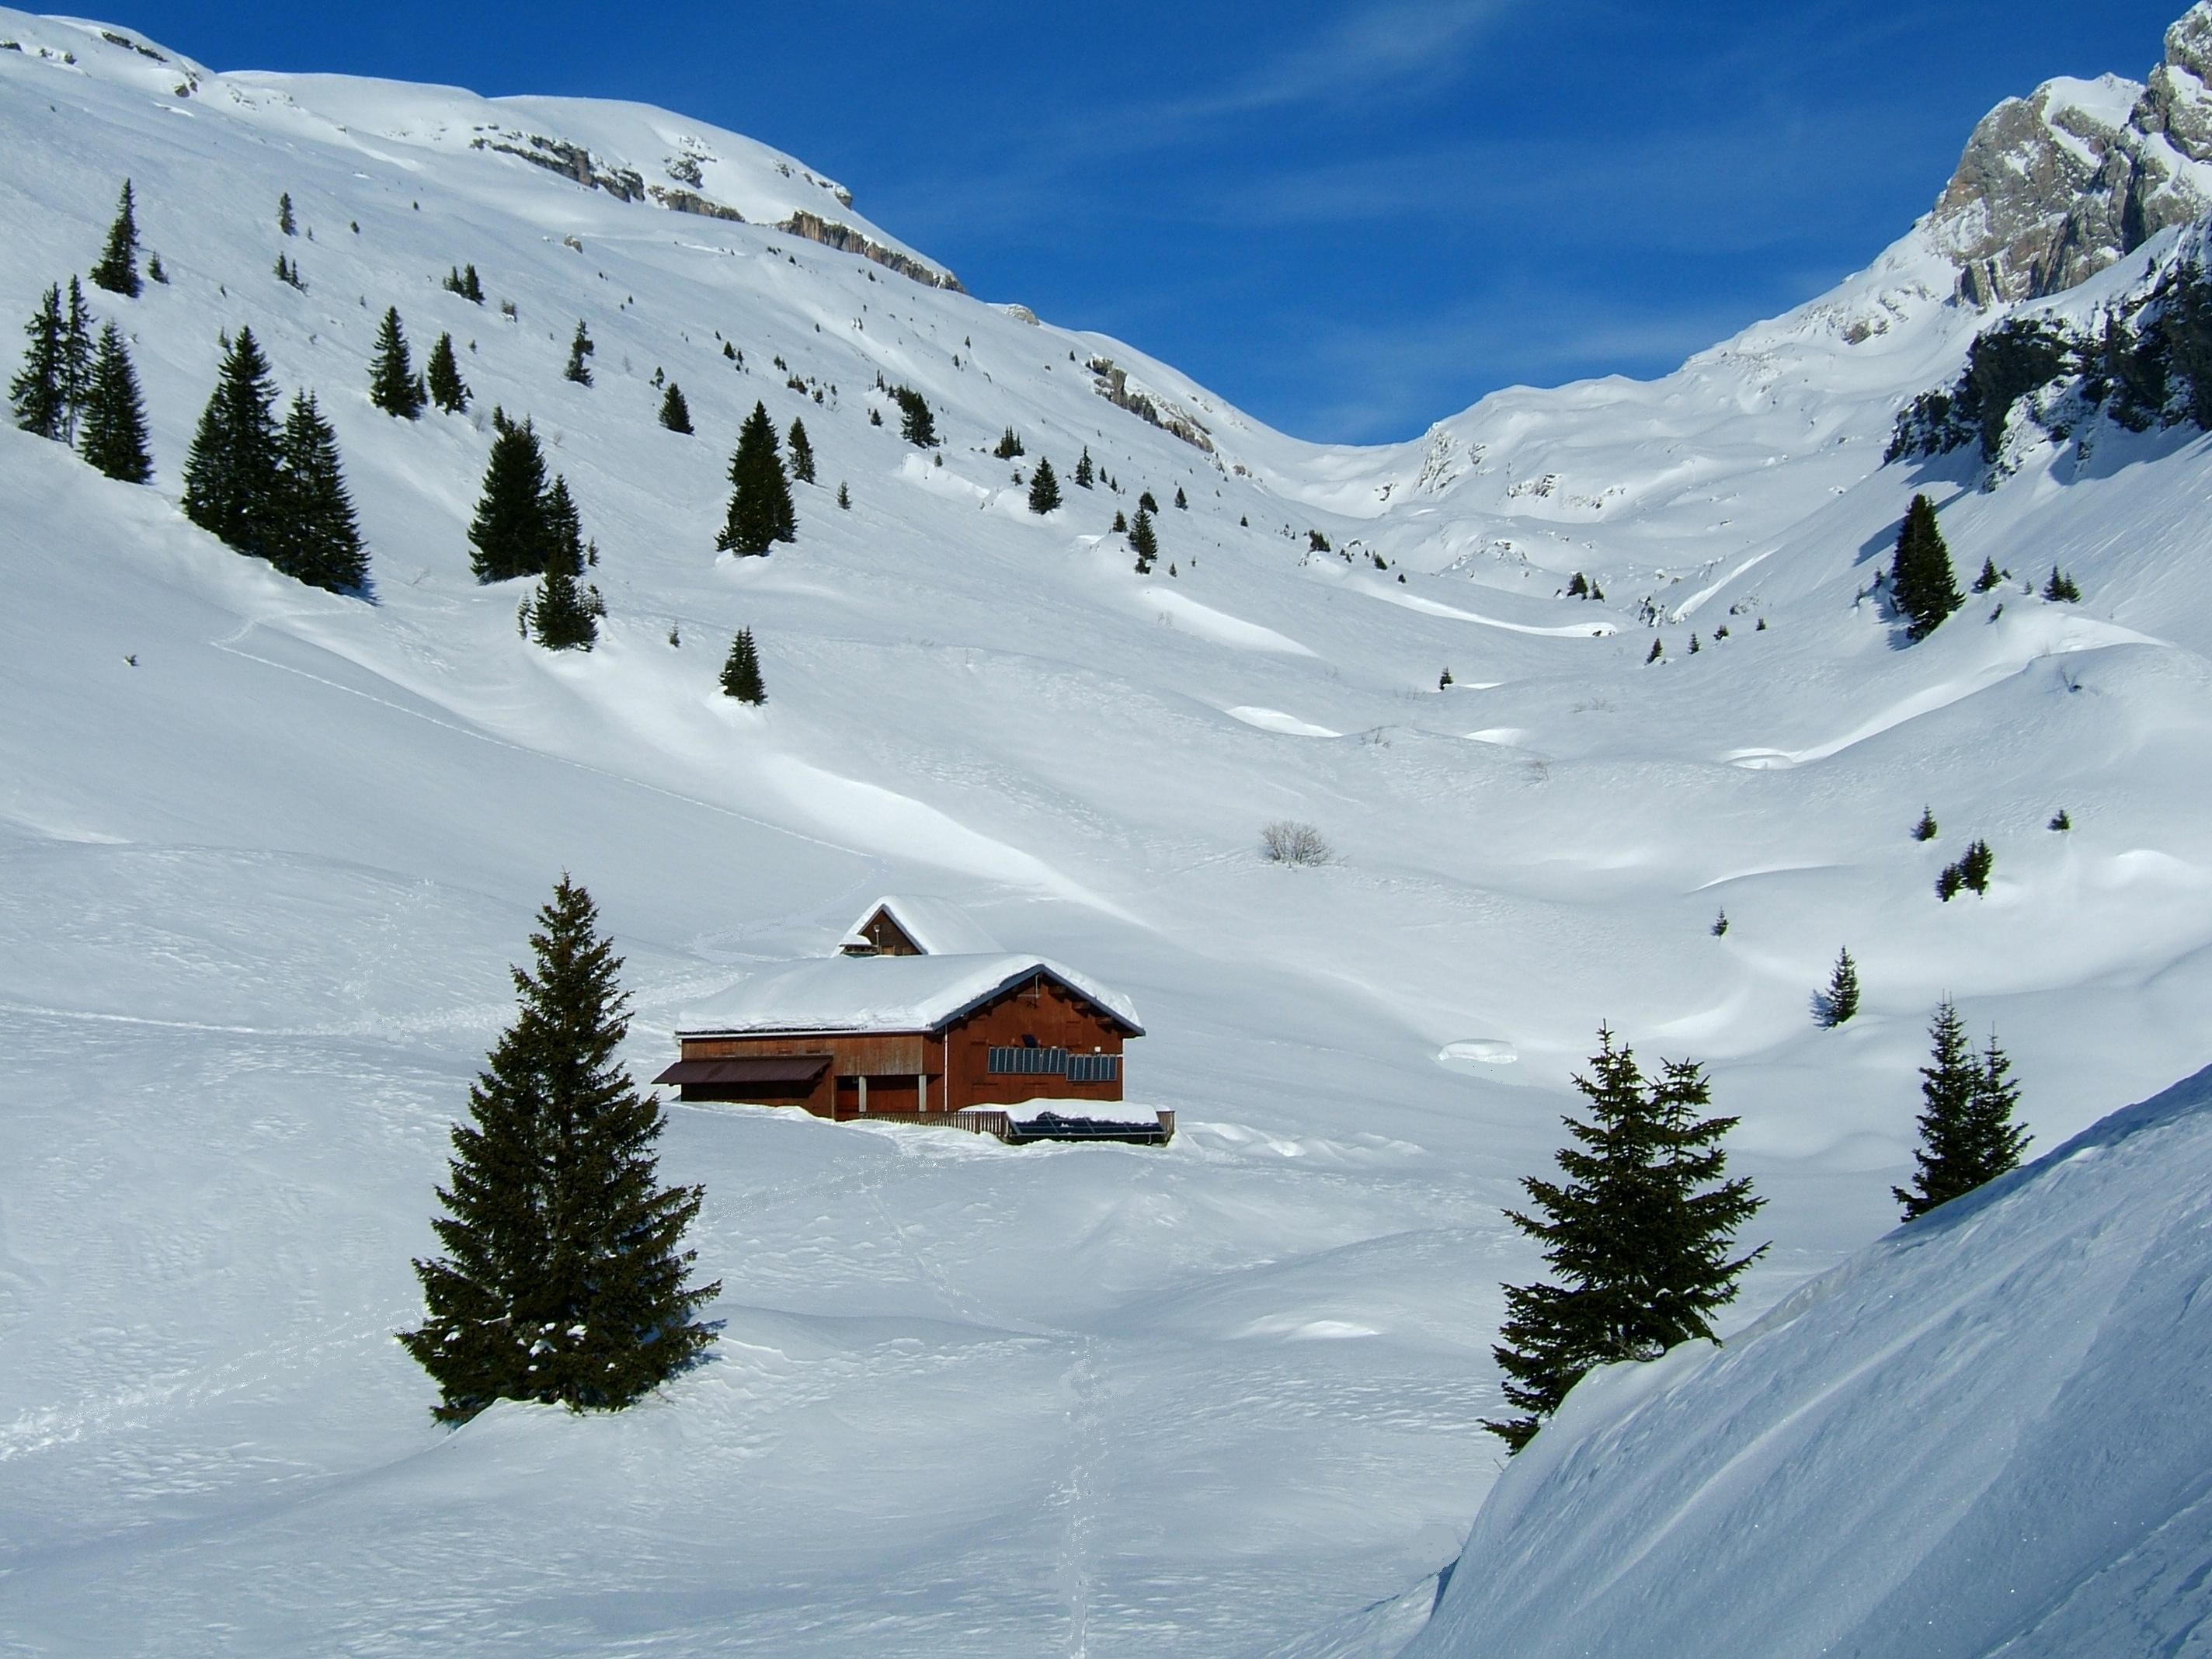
751, 1069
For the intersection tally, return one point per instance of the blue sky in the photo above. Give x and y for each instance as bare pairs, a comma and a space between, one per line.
1351, 219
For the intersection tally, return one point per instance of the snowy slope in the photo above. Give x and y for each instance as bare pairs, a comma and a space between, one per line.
259, 889
1973, 1438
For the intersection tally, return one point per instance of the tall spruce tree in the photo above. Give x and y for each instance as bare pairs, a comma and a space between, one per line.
1083, 469
675, 412
1144, 540
77, 353
1044, 487
312, 535
447, 389
117, 269
741, 671
1841, 999
562, 527
112, 437
1638, 1234
39, 394
1967, 1135
580, 347
564, 1277
285, 221
802, 452
916, 424
1921, 582
393, 385
760, 511
508, 531
231, 474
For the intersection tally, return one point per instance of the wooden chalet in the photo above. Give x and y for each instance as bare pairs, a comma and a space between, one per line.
910, 1023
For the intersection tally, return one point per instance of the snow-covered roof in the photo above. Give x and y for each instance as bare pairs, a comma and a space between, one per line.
937, 926
881, 994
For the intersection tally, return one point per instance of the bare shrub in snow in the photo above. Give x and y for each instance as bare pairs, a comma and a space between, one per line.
1288, 842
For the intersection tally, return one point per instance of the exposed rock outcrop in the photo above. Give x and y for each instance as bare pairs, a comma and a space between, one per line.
2054, 187
1113, 384
570, 161
828, 232
689, 201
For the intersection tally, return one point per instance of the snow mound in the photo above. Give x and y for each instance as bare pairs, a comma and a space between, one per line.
1983, 1433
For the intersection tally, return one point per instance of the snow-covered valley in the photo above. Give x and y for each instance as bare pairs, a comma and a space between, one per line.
265, 852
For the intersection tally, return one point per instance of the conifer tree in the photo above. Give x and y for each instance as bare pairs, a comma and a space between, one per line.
1121, 524
1967, 1135
1658, 650
580, 347
1921, 582
1975, 866
1146, 502
154, 268
565, 615
1009, 446
802, 452
465, 282
285, 223
844, 495
1144, 540
447, 389
117, 269
1841, 999
77, 354
1182, 501
231, 484
1639, 1236
1083, 469
1925, 829
916, 424
40, 393
1044, 488
2060, 589
1989, 578
113, 432
741, 671
675, 411
760, 512
564, 1278
561, 529
393, 385
312, 535
508, 531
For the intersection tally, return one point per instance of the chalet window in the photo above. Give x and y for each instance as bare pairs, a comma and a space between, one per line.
1093, 1068
1028, 1061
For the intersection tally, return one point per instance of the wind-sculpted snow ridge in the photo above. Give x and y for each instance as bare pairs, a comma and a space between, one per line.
265, 852
1982, 1435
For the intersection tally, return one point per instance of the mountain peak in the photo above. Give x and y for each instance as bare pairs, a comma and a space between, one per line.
2053, 187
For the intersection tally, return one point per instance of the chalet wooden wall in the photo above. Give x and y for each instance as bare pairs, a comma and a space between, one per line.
1040, 1009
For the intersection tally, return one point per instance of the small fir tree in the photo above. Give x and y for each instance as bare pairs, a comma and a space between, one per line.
312, 536
466, 282
1975, 866
760, 512
1658, 650
1444, 679
232, 484
1925, 829
393, 386
741, 672
1579, 588
1638, 1234
1967, 1135
155, 270
580, 347
2062, 820
509, 530
564, 1277
1989, 578
1121, 524
39, 394
802, 452
1009, 446
2060, 589
1921, 583
844, 495
1948, 883
114, 434
1182, 501
1083, 469
561, 529
1144, 540
285, 221
77, 360
675, 412
1841, 999
117, 269
1720, 925
1044, 488
916, 424
564, 615
447, 389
